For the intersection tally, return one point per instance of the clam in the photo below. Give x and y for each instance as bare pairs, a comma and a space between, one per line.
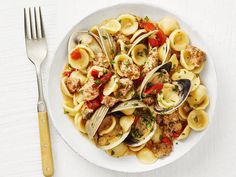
139, 39
170, 95
107, 42
94, 122
138, 134
85, 38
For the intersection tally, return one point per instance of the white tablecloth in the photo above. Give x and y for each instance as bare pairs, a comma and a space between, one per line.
19, 137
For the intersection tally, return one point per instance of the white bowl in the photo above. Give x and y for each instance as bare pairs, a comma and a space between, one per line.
79, 143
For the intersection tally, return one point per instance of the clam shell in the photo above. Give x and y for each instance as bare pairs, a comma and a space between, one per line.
139, 39
131, 141
166, 66
128, 105
185, 86
86, 38
95, 121
112, 145
107, 42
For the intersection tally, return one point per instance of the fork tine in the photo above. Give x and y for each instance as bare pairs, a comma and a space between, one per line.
25, 25
30, 24
36, 24
41, 23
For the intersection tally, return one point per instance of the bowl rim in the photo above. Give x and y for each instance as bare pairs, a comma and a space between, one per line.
148, 4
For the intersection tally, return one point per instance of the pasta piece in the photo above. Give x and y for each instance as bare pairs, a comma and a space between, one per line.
185, 133
198, 99
78, 75
198, 120
128, 112
168, 25
111, 86
129, 24
178, 40
167, 97
82, 61
80, 123
112, 26
126, 122
119, 59
109, 128
118, 151
136, 148
64, 89
146, 156
139, 54
174, 61
157, 135
72, 111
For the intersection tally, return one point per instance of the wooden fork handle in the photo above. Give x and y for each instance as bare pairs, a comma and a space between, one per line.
45, 144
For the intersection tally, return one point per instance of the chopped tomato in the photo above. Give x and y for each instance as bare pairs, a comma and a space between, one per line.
148, 26
105, 78
176, 135
154, 89
153, 42
161, 37
137, 117
67, 73
95, 73
75, 54
166, 140
93, 104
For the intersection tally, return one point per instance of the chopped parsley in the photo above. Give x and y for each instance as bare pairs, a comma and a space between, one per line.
126, 48
176, 89
112, 62
81, 91
140, 53
160, 137
146, 18
195, 119
97, 81
104, 37
66, 112
125, 103
135, 104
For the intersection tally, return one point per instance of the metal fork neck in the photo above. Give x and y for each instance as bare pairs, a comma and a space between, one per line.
41, 102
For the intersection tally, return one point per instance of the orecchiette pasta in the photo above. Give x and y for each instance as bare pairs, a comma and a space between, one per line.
178, 40
133, 86
129, 24
198, 120
168, 25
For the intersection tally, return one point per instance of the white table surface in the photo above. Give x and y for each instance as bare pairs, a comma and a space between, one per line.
214, 156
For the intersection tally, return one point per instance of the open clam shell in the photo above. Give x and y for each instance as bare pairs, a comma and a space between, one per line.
139, 39
183, 85
166, 67
95, 121
128, 105
85, 38
143, 129
107, 42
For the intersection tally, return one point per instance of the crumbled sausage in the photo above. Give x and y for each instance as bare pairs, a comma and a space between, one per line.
124, 87
196, 56
160, 149
152, 61
101, 60
149, 100
130, 70
88, 91
109, 101
72, 84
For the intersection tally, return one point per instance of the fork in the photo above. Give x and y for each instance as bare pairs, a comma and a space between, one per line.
36, 49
